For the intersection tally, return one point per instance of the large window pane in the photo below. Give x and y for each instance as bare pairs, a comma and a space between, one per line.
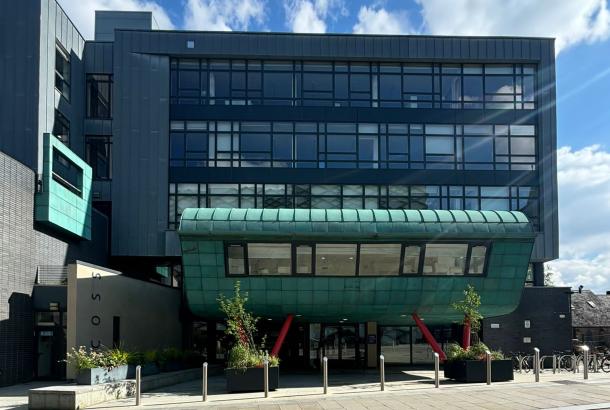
522, 146
278, 85
389, 87
336, 259
410, 265
269, 258
478, 149
235, 259
379, 259
304, 256
439, 145
445, 259
477, 260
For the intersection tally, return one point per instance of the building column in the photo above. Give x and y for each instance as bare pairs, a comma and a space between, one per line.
538, 268
371, 344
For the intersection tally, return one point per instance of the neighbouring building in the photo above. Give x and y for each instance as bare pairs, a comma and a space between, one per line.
591, 319
347, 181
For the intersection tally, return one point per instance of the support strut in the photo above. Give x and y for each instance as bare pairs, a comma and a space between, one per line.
280, 338
428, 336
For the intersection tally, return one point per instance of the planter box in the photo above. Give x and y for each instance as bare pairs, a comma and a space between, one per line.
251, 379
475, 371
102, 375
148, 369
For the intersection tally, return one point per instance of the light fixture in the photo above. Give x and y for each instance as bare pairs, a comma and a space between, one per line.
345, 320
403, 315
269, 319
298, 315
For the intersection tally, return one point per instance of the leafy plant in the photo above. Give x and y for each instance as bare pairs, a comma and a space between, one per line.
474, 352
150, 356
241, 326
83, 358
469, 306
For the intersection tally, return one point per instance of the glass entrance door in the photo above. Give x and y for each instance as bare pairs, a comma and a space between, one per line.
343, 345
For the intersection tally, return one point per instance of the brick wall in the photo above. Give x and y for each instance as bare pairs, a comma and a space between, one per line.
24, 246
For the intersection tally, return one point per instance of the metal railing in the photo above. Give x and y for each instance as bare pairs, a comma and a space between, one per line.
52, 275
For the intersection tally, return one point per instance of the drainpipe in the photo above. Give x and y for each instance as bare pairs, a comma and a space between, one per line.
280, 338
428, 336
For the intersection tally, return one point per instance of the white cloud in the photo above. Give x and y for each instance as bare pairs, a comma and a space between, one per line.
372, 20
569, 21
82, 12
584, 218
309, 16
223, 15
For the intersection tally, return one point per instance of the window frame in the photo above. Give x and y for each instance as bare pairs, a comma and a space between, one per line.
422, 253
89, 81
65, 79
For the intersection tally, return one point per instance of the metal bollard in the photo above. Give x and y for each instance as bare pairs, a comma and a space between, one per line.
595, 369
382, 371
266, 377
325, 373
204, 386
585, 362
138, 384
537, 363
436, 367
488, 362
554, 364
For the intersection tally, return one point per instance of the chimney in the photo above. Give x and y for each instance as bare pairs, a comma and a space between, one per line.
580, 288
608, 293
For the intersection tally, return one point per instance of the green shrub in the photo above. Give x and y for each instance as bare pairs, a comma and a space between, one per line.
241, 357
83, 358
474, 352
150, 356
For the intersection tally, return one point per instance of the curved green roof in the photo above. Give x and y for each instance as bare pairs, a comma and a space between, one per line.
233, 223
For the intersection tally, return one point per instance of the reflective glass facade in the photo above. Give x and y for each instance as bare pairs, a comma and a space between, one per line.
500, 198
352, 84
352, 145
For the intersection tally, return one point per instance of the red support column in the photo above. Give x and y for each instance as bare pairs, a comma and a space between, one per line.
429, 338
466, 334
280, 338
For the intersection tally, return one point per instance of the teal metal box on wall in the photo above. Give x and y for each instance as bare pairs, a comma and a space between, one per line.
384, 299
63, 201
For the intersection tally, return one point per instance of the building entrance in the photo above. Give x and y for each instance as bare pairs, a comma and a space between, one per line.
343, 344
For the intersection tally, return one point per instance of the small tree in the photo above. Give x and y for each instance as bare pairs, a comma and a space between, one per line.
241, 326
469, 306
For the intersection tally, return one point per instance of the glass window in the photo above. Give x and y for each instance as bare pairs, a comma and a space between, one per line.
304, 259
61, 128
439, 145
477, 260
236, 262
66, 172
99, 156
99, 96
389, 87
269, 259
278, 86
410, 265
379, 259
62, 71
445, 259
522, 146
336, 259
473, 89
478, 149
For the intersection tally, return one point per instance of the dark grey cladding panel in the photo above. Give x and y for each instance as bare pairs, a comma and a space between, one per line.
279, 45
19, 61
140, 148
98, 57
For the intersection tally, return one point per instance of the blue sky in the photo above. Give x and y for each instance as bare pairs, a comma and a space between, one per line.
582, 32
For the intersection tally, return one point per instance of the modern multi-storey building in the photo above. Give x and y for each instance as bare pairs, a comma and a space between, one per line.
403, 168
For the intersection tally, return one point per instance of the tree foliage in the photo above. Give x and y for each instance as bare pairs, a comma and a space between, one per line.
469, 306
241, 326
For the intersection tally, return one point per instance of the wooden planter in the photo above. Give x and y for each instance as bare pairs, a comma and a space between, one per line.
475, 371
251, 379
101, 375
